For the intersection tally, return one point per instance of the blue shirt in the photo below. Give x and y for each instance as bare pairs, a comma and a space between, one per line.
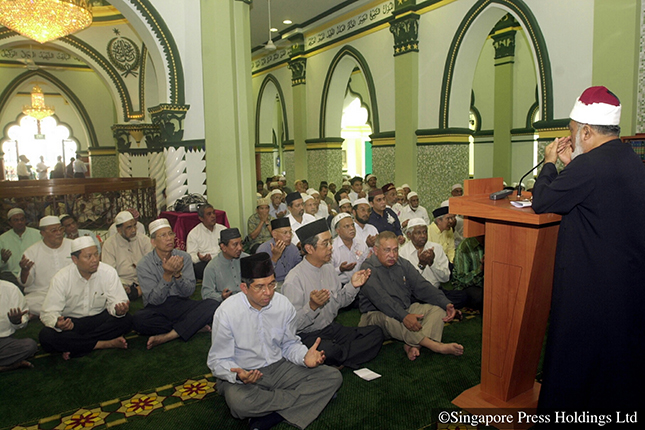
247, 338
154, 287
221, 273
388, 222
288, 260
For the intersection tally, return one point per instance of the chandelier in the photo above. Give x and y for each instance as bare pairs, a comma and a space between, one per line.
38, 109
45, 20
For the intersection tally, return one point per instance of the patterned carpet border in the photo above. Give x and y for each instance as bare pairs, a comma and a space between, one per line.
119, 411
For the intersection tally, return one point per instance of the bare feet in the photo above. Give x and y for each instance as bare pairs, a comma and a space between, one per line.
412, 351
24, 364
116, 343
205, 329
163, 338
448, 348
66, 356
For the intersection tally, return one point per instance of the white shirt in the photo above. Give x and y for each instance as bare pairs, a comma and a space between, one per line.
397, 208
363, 232
141, 230
71, 295
21, 169
11, 297
323, 211
436, 274
295, 225
419, 212
353, 195
202, 240
47, 262
124, 255
79, 166
41, 168
274, 212
341, 253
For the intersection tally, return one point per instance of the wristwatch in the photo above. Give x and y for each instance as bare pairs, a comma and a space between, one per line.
421, 266
177, 275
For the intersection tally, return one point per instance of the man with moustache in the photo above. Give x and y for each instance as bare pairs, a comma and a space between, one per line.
365, 232
222, 274
14, 243
42, 261
202, 242
124, 250
382, 217
263, 370
348, 253
297, 216
315, 291
284, 254
86, 307
598, 291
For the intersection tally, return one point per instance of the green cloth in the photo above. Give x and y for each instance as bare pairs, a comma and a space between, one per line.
17, 245
468, 270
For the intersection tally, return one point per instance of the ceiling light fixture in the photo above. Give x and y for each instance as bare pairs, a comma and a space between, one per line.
287, 21
38, 109
45, 20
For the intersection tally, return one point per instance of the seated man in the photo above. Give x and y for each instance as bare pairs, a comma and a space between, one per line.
348, 253
391, 198
167, 281
70, 226
278, 209
430, 260
14, 315
386, 300
222, 274
42, 261
264, 372
310, 205
202, 242
14, 243
284, 254
297, 216
440, 231
468, 273
86, 307
315, 291
357, 189
365, 232
382, 217
124, 250
413, 210
141, 230
259, 225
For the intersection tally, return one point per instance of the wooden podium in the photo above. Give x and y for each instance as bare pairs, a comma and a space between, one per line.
519, 259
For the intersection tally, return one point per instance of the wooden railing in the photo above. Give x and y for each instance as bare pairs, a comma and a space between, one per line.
94, 201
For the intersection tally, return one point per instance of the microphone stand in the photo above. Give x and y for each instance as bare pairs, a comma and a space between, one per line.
519, 185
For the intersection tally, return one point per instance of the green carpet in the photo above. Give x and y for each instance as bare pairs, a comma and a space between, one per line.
407, 396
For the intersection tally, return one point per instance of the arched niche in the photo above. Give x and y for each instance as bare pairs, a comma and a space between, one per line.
464, 52
270, 113
335, 88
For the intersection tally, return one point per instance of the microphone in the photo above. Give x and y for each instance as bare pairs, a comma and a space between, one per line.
519, 185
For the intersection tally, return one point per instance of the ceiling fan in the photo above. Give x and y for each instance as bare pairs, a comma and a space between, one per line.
270, 46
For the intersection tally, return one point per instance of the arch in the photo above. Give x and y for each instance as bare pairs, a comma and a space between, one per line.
266, 98
467, 43
78, 105
338, 74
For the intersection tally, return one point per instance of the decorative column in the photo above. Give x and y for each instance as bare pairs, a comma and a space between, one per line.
325, 158
103, 162
405, 30
504, 44
228, 105
298, 67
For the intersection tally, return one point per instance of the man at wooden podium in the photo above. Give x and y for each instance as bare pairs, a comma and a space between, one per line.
595, 343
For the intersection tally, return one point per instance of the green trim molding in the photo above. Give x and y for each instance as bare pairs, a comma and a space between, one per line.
325, 143
76, 102
352, 52
527, 20
383, 139
448, 136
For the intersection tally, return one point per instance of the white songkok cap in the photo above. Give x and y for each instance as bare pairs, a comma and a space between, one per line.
347, 183
596, 106
274, 192
415, 222
361, 201
158, 224
444, 204
14, 211
312, 191
405, 186
48, 220
306, 197
456, 187
344, 201
369, 177
82, 242
337, 219
123, 216
412, 194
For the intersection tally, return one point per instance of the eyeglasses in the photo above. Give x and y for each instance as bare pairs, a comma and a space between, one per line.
168, 235
260, 288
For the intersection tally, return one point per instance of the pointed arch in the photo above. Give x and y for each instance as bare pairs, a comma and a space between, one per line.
473, 29
270, 79
343, 64
78, 105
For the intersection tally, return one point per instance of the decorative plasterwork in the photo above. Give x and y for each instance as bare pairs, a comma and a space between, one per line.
298, 67
170, 120
406, 34
123, 132
124, 54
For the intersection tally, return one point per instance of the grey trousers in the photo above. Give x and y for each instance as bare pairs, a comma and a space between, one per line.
297, 393
432, 324
15, 350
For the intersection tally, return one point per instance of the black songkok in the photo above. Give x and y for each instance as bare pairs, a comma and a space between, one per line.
293, 196
256, 266
440, 211
280, 222
228, 234
312, 229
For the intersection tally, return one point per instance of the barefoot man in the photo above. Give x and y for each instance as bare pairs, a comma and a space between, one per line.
167, 280
86, 307
385, 300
